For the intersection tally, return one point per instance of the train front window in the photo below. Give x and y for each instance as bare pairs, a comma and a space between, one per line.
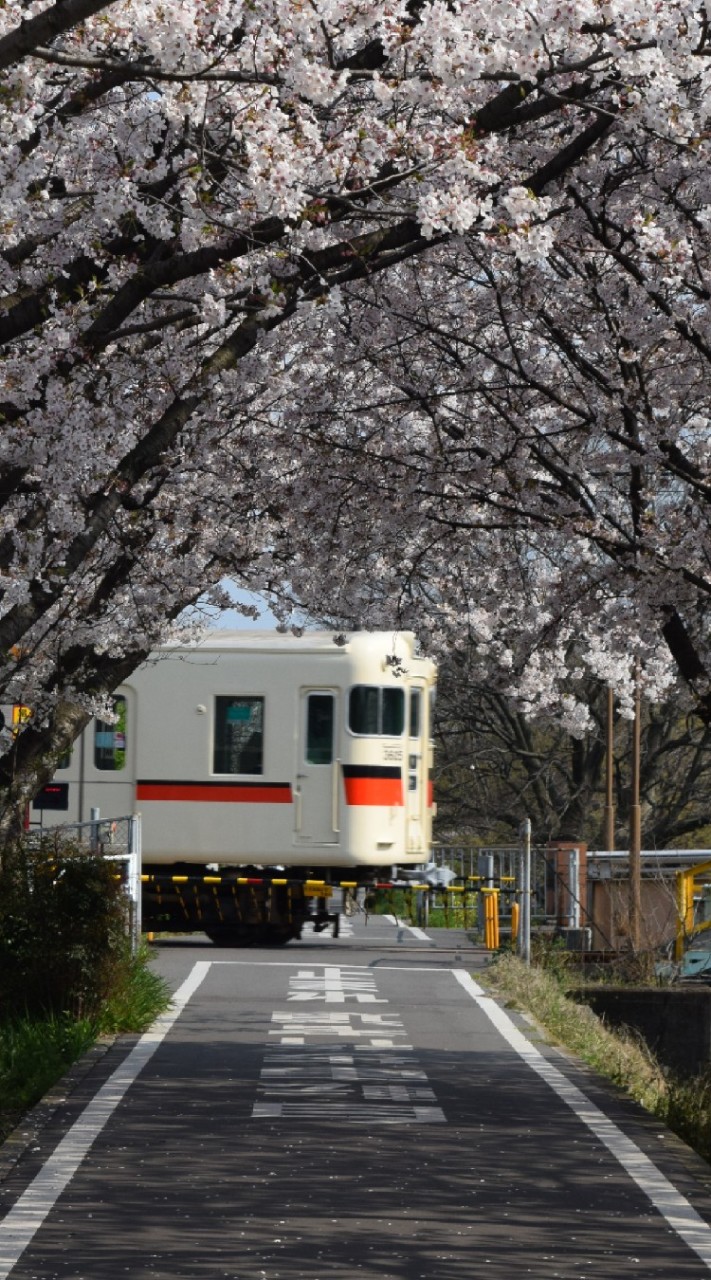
110, 740
239, 735
319, 728
393, 712
363, 709
376, 711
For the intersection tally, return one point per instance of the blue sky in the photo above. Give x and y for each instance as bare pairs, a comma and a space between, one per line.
266, 619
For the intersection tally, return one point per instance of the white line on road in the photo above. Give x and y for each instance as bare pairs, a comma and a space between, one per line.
673, 1206
320, 964
25, 1218
400, 924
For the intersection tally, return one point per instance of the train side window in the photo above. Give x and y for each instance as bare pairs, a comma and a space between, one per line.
110, 740
376, 711
415, 713
239, 735
319, 728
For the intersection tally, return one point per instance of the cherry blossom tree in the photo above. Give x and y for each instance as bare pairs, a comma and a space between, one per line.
537, 433
217, 218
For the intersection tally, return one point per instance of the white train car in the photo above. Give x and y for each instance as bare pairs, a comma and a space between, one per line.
309, 754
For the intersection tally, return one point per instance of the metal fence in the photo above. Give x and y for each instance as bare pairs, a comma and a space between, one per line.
536, 887
500, 867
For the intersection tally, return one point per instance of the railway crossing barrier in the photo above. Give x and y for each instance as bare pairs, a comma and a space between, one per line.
497, 893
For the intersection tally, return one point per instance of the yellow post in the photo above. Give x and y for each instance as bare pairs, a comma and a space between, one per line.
685, 910
515, 913
491, 919
495, 920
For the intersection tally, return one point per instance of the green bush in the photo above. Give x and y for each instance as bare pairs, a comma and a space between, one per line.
36, 1050
68, 973
63, 921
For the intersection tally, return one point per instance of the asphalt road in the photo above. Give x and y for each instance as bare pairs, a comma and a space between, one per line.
355, 1109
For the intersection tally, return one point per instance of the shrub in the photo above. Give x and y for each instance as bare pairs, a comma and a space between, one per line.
63, 920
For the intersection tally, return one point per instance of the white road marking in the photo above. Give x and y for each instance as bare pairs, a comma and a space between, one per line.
342, 1064
345, 930
673, 1206
20, 1225
366, 965
400, 924
25, 1218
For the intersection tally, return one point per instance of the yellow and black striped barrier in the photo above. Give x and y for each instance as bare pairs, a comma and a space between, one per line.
475, 904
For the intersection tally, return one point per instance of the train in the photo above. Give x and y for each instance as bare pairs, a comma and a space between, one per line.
266, 767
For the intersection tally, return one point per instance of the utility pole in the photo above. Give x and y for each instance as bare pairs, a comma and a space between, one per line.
635, 900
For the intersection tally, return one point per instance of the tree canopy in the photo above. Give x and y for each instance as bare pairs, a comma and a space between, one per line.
493, 764
401, 307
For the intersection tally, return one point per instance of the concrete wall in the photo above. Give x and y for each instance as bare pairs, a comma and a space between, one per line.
674, 1021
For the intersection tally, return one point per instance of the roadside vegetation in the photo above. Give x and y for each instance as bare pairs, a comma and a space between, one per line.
623, 1058
68, 975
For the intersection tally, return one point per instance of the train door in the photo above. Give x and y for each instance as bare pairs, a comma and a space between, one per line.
317, 789
416, 773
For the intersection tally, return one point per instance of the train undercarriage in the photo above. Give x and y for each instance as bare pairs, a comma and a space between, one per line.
238, 907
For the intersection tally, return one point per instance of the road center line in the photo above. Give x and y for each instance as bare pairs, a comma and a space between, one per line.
25, 1218
673, 1206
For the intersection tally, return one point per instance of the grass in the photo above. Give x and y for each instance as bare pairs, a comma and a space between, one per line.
36, 1051
453, 910
682, 1104
33, 1055
136, 1000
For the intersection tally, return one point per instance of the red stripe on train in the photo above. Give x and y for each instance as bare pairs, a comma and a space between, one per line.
227, 793
383, 791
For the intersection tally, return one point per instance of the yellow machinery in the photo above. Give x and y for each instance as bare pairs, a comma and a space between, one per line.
686, 924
